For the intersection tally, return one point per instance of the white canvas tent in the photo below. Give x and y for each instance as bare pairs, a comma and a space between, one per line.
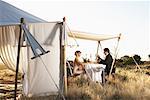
36, 80
51, 35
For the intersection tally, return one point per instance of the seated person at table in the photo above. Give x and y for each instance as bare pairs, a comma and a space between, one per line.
107, 61
78, 64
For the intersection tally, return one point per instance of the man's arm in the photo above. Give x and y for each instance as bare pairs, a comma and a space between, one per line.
107, 61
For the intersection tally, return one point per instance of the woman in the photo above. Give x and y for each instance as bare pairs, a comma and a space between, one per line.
78, 64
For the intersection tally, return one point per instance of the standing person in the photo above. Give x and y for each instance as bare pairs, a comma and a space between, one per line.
78, 64
107, 61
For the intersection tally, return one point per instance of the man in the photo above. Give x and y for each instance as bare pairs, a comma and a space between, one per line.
108, 61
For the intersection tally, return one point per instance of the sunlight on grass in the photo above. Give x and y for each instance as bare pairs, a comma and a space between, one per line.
127, 85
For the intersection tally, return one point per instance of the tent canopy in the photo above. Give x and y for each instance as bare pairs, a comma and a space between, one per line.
11, 15
89, 36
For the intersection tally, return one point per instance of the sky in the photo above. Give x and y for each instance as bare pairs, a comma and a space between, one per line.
131, 18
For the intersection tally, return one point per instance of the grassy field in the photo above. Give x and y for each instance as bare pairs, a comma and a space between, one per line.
128, 84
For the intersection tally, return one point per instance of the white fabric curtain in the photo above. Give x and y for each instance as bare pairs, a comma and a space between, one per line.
8, 47
37, 78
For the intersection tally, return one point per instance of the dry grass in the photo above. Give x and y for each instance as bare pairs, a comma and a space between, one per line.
129, 84
7, 79
6, 75
2, 66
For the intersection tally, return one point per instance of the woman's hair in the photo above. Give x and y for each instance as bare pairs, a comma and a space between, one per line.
106, 50
77, 52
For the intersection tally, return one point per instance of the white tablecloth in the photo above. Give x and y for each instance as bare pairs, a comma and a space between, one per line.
94, 71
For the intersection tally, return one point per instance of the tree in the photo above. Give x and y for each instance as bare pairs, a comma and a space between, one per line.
137, 58
126, 60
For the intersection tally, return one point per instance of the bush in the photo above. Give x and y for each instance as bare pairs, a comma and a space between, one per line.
127, 60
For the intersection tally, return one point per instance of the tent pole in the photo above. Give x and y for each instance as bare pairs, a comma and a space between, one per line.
18, 58
115, 55
65, 68
97, 48
64, 54
101, 46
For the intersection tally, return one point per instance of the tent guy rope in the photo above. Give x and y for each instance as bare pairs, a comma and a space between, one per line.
52, 79
73, 35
